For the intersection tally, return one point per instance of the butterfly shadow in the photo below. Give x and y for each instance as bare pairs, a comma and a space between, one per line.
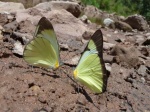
54, 76
43, 72
82, 91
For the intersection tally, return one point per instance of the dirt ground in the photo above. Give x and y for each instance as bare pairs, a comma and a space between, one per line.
29, 89
24, 88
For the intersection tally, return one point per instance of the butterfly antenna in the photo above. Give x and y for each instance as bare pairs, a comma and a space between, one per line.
31, 69
96, 106
78, 88
70, 77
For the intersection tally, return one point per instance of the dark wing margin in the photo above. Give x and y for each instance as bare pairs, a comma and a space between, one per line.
97, 38
105, 74
44, 24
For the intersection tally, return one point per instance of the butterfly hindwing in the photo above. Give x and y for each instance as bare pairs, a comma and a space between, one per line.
43, 50
89, 72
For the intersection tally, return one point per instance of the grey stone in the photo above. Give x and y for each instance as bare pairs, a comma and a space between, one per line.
108, 46
140, 39
10, 7
142, 70
147, 34
107, 22
18, 48
72, 7
10, 27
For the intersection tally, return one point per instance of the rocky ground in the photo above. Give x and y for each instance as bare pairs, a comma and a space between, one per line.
24, 88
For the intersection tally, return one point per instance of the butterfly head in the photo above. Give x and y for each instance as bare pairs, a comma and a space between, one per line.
75, 73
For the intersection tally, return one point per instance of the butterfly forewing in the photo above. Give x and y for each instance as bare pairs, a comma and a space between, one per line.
46, 29
53, 41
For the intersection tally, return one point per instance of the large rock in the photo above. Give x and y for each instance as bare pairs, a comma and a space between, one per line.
35, 2
92, 12
10, 7
69, 29
31, 14
65, 24
71, 7
123, 26
126, 55
137, 22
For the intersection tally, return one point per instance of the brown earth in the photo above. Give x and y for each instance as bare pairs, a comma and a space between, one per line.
24, 88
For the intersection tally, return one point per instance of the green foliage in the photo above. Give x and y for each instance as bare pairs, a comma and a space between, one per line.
91, 2
123, 7
145, 8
